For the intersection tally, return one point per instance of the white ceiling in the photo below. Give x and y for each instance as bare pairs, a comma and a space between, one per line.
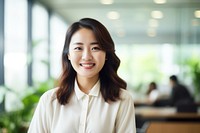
134, 17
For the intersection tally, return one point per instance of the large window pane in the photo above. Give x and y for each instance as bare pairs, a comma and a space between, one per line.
141, 64
58, 31
40, 43
15, 44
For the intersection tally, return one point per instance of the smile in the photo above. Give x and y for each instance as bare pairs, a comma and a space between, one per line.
87, 65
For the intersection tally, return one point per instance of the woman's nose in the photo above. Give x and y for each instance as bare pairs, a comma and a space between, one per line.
87, 55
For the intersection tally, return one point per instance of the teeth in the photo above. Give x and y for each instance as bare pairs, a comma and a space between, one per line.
87, 65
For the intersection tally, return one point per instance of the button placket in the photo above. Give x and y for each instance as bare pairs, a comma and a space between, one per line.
84, 111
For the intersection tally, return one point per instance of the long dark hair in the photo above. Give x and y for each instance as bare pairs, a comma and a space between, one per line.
110, 82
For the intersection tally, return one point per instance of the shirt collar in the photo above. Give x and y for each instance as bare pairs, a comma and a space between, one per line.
93, 92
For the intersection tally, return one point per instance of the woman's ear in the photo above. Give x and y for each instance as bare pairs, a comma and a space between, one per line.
68, 56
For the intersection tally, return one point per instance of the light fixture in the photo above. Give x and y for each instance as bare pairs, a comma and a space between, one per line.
195, 22
107, 2
151, 32
160, 1
153, 23
197, 13
157, 14
113, 15
121, 32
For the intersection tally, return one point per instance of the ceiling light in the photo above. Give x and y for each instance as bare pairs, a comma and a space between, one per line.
121, 33
153, 23
195, 22
113, 15
106, 2
151, 32
157, 14
160, 1
197, 13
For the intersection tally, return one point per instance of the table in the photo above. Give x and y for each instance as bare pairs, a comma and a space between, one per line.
166, 120
165, 112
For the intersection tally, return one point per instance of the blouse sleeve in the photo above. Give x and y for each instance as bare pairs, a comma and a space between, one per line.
40, 122
126, 115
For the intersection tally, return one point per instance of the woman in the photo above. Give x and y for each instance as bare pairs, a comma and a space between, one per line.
152, 92
91, 97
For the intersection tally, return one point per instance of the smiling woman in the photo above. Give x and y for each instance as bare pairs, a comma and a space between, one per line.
89, 86
86, 56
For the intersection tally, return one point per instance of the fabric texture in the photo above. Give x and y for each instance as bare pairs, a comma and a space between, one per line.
84, 113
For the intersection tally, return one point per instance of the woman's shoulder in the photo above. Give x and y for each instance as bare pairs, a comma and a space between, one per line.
126, 99
125, 94
49, 95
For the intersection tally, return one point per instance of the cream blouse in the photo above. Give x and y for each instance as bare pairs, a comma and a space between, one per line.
84, 113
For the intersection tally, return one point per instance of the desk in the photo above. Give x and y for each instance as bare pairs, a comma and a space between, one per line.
166, 120
173, 127
142, 102
164, 112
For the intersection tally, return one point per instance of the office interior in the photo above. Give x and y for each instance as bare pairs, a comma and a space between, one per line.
153, 39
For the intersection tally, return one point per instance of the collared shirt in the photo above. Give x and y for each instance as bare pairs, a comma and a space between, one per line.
85, 113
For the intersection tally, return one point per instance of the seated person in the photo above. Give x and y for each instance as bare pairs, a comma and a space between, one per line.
152, 92
179, 94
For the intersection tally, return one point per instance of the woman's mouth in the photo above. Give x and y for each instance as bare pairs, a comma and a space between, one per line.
87, 65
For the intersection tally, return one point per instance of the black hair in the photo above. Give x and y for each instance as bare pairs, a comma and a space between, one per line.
110, 82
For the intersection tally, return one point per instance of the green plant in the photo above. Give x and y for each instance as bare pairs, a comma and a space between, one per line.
18, 121
196, 78
194, 72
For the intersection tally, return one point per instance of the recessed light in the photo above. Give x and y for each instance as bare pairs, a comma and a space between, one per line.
151, 32
121, 33
157, 14
195, 22
153, 23
107, 2
113, 15
160, 1
197, 13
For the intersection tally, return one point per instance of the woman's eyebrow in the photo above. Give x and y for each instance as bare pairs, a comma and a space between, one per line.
80, 43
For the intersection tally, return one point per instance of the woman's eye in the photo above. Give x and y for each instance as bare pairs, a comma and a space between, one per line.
78, 48
96, 48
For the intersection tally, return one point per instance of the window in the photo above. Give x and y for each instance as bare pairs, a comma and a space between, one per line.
58, 31
15, 58
40, 43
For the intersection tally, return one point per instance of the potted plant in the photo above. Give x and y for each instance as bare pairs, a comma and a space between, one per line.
17, 121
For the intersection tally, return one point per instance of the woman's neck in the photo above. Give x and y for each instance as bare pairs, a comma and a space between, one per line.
86, 84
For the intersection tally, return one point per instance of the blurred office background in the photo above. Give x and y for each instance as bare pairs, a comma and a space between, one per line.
154, 39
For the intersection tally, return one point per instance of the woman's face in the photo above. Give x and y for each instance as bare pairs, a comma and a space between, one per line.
85, 55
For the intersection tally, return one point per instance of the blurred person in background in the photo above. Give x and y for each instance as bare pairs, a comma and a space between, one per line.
179, 92
152, 92
152, 86
179, 95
